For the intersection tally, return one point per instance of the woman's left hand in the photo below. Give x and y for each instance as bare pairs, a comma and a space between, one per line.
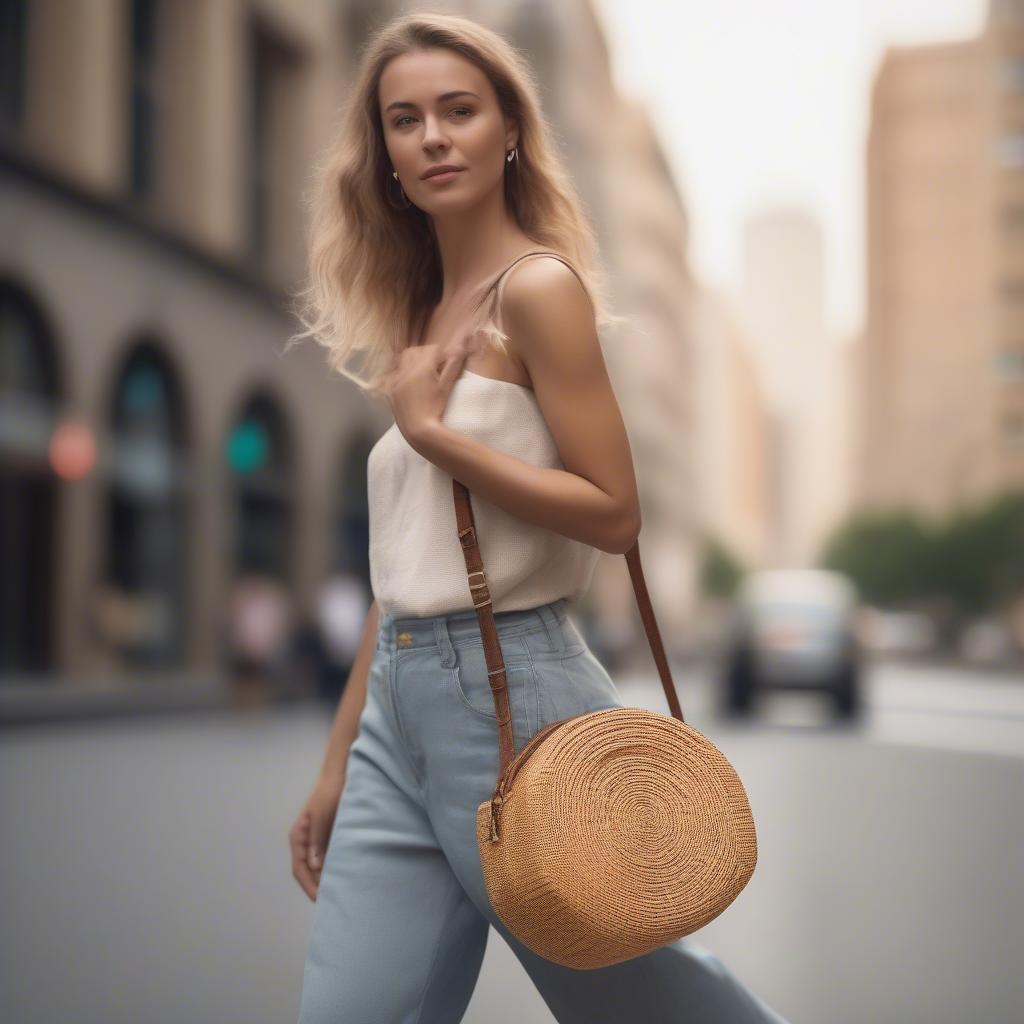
419, 382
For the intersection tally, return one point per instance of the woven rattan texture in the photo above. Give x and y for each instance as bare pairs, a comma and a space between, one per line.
621, 831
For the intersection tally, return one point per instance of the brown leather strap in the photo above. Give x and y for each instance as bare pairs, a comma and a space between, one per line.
481, 596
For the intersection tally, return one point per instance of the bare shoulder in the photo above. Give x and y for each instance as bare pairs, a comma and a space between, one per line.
549, 318
536, 282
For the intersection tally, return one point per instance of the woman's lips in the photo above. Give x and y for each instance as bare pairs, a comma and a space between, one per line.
443, 176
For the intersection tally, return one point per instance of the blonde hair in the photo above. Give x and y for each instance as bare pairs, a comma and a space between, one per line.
374, 270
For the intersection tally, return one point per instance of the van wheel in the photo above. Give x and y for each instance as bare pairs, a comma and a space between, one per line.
847, 692
739, 684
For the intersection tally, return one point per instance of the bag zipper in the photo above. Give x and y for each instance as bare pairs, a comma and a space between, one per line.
505, 781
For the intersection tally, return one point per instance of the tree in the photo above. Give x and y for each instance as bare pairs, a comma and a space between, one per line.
720, 571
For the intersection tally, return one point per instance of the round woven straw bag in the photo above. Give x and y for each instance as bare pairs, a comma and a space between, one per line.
611, 833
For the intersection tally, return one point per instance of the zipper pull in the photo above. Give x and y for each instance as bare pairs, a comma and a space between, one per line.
496, 801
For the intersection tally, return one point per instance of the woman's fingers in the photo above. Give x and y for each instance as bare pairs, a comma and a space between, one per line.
316, 843
450, 370
298, 841
453, 358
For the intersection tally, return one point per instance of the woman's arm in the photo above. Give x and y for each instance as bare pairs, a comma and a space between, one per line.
309, 833
346, 720
550, 321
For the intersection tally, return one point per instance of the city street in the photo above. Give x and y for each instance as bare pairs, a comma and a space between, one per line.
146, 870
738, 287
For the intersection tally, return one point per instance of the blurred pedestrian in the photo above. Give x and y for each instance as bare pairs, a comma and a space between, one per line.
258, 636
341, 615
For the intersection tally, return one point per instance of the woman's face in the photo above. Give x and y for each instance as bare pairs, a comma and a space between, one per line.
438, 108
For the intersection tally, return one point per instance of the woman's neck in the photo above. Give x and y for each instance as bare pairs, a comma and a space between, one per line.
470, 256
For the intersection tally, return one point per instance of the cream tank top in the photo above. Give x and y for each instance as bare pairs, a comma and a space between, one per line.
417, 567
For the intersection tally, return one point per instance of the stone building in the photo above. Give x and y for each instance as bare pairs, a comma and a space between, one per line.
156, 444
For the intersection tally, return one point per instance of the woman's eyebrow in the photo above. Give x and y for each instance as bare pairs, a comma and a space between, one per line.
440, 99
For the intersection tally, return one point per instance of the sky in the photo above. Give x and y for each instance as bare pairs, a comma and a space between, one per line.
760, 102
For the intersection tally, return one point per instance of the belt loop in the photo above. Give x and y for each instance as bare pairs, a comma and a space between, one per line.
384, 620
553, 625
444, 641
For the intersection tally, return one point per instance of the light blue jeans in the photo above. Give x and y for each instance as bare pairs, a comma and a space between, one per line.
401, 918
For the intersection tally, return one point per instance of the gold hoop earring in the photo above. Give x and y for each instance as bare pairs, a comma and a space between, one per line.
391, 202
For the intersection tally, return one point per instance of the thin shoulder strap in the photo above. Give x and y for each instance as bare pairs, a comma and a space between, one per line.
498, 284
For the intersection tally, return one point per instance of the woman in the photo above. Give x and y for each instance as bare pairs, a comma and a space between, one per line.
488, 353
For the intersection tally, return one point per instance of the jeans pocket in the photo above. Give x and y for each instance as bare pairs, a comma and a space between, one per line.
472, 685
572, 680
590, 683
573, 641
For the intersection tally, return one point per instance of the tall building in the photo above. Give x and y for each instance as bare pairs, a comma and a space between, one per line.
652, 359
782, 298
943, 363
734, 435
782, 308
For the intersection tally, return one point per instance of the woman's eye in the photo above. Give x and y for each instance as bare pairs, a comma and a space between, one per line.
456, 110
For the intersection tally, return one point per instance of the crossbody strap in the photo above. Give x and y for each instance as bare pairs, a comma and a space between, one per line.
481, 596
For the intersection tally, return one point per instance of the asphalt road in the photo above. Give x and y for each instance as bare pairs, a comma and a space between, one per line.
146, 875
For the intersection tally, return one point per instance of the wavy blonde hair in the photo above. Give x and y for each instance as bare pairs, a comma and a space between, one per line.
374, 270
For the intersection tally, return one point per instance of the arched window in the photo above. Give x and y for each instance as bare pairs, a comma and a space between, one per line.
142, 603
28, 485
351, 540
259, 459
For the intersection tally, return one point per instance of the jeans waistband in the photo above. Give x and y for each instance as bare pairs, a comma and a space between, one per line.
443, 631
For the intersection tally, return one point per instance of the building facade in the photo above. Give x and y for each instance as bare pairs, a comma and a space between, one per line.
156, 445
943, 361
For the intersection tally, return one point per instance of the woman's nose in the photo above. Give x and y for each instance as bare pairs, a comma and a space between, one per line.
433, 135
